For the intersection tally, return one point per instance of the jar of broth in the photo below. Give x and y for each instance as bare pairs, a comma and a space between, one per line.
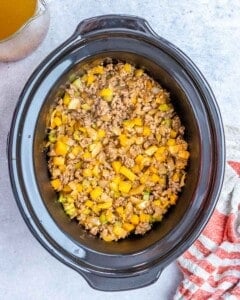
23, 26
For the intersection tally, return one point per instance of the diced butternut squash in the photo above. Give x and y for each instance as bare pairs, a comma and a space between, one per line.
137, 122
120, 210
101, 133
134, 100
97, 70
116, 166
173, 199
113, 186
56, 184
146, 131
156, 202
95, 148
92, 133
87, 172
127, 173
149, 84
86, 155
124, 186
86, 211
176, 177
62, 198
107, 237
86, 185
56, 122
89, 203
136, 169
109, 216
155, 178
145, 218
66, 189
64, 119
163, 180
125, 141
90, 79
139, 159
96, 171
139, 140
66, 99
134, 219
160, 154
161, 98
144, 178
76, 150
128, 124
95, 209
58, 161
96, 193
61, 148
128, 227
78, 165
119, 231
138, 190
157, 218
173, 149
183, 154
116, 179
127, 68
173, 134
105, 205
171, 142
82, 129
106, 94
76, 135
167, 122
142, 160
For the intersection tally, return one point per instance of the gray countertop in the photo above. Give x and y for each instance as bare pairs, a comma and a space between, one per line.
208, 32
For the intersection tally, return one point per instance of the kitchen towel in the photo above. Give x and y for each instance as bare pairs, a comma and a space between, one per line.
211, 266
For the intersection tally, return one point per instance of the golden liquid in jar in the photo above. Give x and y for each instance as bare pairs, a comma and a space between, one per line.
14, 14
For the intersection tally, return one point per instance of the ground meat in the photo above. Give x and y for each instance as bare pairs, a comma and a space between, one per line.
101, 108
142, 228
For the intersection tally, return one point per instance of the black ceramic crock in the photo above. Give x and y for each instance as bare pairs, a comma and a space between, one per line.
137, 261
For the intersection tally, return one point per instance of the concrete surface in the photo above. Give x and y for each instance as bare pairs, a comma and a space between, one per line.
208, 32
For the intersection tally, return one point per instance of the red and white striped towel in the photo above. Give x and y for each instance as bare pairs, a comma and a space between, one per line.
211, 266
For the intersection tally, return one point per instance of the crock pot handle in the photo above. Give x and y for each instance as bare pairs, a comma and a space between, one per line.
109, 284
113, 21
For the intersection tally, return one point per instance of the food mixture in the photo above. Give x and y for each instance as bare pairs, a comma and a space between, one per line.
117, 153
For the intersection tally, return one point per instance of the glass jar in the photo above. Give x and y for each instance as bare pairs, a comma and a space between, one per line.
28, 37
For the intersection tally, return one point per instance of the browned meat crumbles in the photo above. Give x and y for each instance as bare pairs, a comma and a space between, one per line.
117, 155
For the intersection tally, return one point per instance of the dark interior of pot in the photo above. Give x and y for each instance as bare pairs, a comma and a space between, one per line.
183, 106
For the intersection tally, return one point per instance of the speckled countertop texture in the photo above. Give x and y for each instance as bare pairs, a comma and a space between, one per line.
208, 32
